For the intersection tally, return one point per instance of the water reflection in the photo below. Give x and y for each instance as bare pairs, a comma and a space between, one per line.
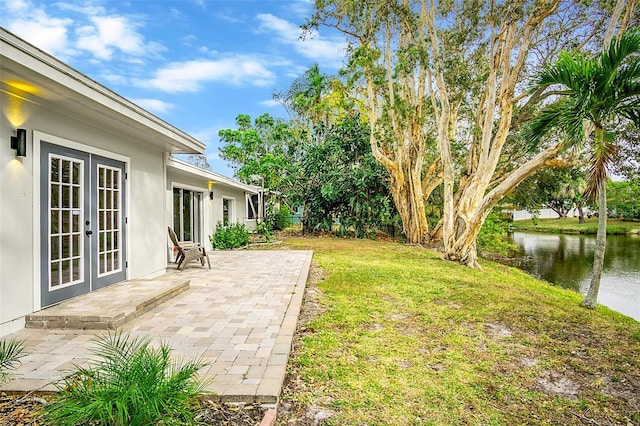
566, 260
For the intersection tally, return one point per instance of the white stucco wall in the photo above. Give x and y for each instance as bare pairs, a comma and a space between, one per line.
20, 208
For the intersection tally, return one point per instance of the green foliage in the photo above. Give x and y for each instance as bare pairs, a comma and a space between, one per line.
282, 219
264, 228
624, 197
132, 383
601, 90
230, 236
491, 238
559, 189
268, 147
346, 184
10, 353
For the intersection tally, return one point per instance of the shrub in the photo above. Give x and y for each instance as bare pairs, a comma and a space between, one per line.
492, 237
230, 236
131, 384
282, 219
10, 353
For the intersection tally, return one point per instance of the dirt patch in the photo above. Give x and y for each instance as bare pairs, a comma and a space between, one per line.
558, 384
20, 408
497, 331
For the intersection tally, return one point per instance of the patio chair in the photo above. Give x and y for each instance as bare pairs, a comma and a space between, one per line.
188, 251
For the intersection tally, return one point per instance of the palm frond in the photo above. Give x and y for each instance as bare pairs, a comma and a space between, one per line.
10, 353
564, 115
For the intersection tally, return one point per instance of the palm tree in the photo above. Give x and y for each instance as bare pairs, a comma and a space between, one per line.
596, 94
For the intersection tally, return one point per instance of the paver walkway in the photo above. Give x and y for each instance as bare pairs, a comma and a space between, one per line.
239, 316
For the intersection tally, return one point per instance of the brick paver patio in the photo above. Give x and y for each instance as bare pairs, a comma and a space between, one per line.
239, 316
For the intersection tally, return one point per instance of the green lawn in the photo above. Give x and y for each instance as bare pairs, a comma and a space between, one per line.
405, 338
571, 226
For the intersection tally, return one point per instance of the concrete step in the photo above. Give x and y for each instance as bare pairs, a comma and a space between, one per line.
110, 307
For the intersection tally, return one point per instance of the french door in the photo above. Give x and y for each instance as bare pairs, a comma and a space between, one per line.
82, 222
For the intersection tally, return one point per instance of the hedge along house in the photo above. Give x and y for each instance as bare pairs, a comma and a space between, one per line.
87, 185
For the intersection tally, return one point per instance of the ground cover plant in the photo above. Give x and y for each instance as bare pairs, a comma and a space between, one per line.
10, 353
132, 383
397, 336
571, 226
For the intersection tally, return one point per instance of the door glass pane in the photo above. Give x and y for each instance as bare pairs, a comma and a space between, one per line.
76, 269
65, 220
66, 171
76, 197
54, 221
226, 207
66, 202
109, 220
55, 169
76, 173
177, 211
66, 271
55, 248
55, 196
54, 274
186, 215
197, 196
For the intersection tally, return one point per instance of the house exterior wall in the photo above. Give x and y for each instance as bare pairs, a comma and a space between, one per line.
20, 205
211, 209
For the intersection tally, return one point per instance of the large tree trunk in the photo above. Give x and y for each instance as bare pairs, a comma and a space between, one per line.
591, 298
409, 202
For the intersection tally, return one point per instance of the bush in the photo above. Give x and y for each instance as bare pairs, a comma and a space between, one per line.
10, 353
230, 236
492, 237
282, 218
132, 384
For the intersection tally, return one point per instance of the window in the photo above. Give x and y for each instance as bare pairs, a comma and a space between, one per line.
252, 206
187, 214
227, 210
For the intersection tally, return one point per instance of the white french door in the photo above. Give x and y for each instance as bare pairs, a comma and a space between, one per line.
82, 222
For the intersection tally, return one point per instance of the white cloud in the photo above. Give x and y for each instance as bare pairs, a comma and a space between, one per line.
189, 76
38, 28
328, 51
109, 33
270, 103
153, 105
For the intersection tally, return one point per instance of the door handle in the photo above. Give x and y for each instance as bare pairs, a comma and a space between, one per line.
89, 232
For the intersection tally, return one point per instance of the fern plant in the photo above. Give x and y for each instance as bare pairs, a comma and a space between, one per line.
10, 353
133, 383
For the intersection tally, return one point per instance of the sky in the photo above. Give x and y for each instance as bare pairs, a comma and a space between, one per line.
197, 64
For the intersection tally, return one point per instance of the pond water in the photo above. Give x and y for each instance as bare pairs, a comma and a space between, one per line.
566, 260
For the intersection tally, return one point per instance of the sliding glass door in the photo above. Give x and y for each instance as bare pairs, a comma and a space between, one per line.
187, 215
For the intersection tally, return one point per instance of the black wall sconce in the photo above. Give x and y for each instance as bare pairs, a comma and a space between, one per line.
210, 185
19, 142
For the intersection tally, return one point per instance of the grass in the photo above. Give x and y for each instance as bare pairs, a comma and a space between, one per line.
571, 226
409, 339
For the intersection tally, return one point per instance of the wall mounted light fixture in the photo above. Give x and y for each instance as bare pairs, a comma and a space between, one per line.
210, 184
19, 142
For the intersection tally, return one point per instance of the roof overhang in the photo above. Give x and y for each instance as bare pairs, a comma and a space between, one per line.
32, 75
182, 168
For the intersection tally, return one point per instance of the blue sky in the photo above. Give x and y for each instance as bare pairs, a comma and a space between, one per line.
194, 63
